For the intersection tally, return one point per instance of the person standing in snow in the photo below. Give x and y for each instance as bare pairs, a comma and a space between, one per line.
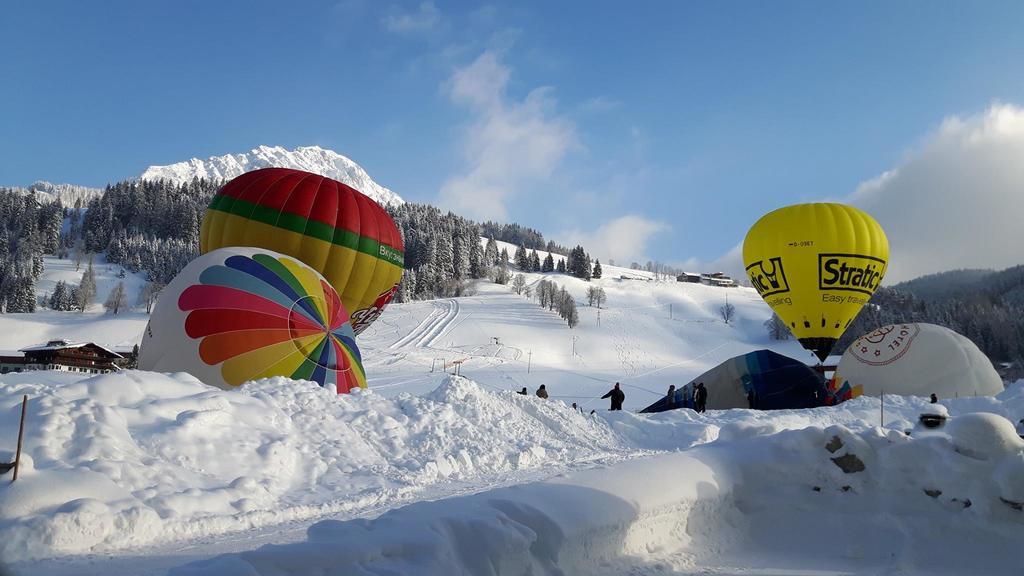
935, 399
542, 392
670, 398
523, 391
702, 397
617, 396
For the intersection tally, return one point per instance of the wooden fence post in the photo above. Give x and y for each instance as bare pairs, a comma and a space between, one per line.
21, 433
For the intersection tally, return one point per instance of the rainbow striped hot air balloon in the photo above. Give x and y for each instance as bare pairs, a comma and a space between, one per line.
332, 227
239, 314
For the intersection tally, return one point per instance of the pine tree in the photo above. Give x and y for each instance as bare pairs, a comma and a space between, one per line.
534, 261
521, 258
596, 274
59, 297
561, 266
491, 253
87, 288
549, 264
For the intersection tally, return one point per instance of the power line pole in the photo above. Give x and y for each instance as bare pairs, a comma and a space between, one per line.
529, 361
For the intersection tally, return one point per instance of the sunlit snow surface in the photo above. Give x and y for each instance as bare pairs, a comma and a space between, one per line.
424, 473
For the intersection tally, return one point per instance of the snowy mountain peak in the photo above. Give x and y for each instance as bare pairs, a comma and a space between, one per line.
309, 158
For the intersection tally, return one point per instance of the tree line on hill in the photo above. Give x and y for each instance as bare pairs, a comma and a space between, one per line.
152, 227
28, 230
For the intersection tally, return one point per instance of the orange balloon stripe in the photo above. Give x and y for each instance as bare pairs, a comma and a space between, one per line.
219, 347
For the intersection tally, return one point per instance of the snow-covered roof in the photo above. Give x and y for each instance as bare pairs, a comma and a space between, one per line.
63, 344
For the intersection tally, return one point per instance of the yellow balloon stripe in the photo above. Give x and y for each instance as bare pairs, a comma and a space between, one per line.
311, 285
268, 361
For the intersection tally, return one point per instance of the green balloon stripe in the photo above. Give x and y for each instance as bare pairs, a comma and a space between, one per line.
307, 227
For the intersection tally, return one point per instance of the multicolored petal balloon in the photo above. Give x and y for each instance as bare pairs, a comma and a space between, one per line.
333, 228
239, 314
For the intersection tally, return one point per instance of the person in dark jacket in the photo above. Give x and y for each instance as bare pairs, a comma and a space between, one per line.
523, 391
935, 399
542, 392
702, 397
617, 396
670, 398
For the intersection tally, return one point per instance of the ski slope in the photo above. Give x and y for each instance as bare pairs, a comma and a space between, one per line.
649, 335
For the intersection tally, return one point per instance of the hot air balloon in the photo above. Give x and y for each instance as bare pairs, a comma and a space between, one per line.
914, 359
331, 227
816, 265
238, 314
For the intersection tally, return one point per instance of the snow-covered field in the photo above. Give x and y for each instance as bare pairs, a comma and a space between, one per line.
427, 473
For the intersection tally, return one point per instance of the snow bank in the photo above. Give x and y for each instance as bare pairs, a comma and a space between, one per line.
578, 524
135, 458
777, 503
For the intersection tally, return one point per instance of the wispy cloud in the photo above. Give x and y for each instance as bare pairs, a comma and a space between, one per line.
426, 18
623, 239
597, 105
957, 200
508, 143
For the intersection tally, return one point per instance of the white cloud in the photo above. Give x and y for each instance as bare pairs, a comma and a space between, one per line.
958, 200
507, 145
623, 240
425, 19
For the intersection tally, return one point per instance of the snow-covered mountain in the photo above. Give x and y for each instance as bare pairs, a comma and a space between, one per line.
309, 158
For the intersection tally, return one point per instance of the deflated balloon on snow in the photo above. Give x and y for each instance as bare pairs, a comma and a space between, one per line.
816, 265
238, 314
914, 359
332, 227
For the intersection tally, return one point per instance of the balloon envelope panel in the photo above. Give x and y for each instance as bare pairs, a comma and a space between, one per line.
333, 228
915, 359
776, 381
238, 314
816, 265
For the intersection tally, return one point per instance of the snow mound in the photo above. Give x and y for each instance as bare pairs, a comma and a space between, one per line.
984, 436
752, 504
133, 458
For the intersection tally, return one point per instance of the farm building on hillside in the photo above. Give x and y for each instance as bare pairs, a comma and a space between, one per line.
62, 355
688, 277
717, 279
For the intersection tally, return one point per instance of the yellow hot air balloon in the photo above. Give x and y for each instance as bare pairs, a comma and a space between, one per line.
816, 265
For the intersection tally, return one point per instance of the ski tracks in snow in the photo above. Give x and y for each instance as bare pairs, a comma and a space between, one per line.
440, 319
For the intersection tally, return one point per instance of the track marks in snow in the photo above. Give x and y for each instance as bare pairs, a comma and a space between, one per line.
441, 318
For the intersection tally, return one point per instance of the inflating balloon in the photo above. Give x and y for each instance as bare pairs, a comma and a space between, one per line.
914, 359
238, 314
816, 265
332, 227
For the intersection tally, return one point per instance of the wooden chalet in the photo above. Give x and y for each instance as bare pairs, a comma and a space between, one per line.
84, 357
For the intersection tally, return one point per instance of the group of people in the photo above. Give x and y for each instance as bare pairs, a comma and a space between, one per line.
617, 396
698, 398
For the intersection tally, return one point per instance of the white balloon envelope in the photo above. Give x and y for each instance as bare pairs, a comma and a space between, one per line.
915, 359
238, 314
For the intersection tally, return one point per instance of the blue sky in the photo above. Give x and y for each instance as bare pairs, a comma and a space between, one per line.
646, 130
